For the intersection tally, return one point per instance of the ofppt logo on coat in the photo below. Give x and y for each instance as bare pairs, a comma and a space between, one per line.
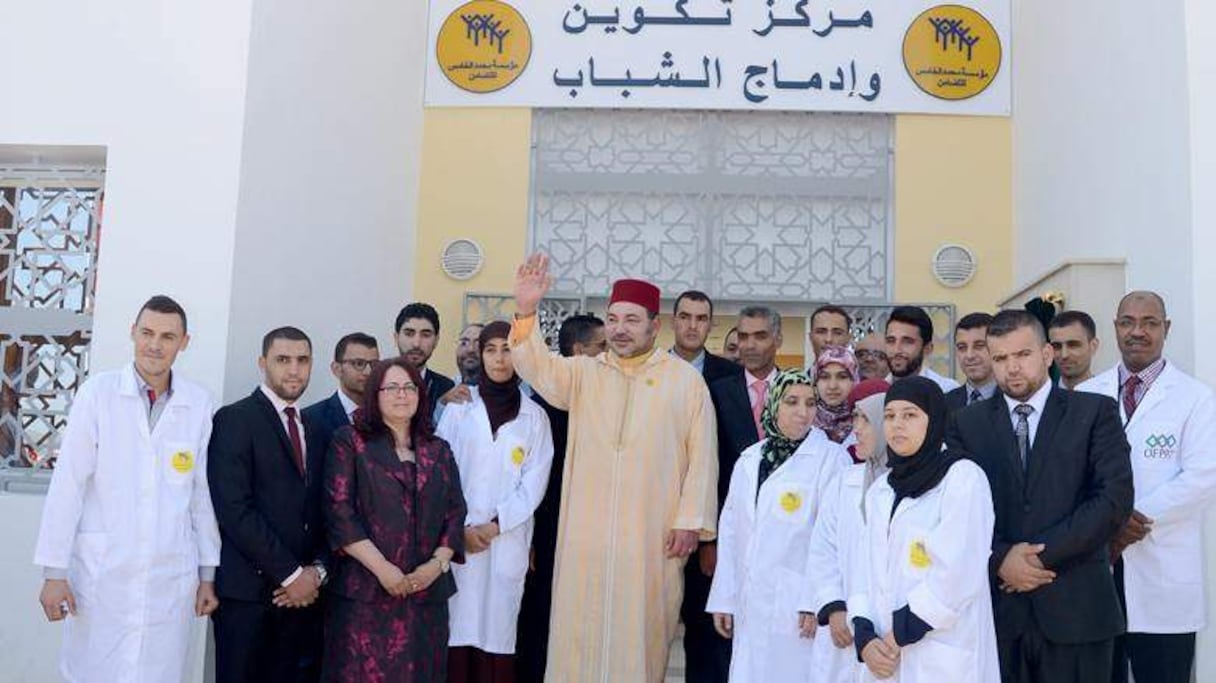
484, 46
1160, 446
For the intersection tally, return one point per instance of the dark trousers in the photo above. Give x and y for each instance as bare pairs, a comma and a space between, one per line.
706, 654
471, 665
532, 632
259, 643
1153, 657
1031, 658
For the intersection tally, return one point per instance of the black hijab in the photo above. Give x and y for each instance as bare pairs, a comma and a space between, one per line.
917, 474
502, 399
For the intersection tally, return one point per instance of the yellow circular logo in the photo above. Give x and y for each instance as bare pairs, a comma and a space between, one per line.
791, 501
518, 455
952, 52
918, 555
484, 46
183, 461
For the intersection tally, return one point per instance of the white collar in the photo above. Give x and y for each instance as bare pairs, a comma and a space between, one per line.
1038, 401
279, 404
348, 404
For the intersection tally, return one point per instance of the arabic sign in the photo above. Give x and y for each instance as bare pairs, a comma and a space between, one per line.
911, 56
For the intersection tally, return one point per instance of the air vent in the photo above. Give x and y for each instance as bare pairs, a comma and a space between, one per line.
462, 259
953, 265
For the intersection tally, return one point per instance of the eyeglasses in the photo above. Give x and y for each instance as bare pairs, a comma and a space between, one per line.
359, 364
399, 389
1130, 324
865, 354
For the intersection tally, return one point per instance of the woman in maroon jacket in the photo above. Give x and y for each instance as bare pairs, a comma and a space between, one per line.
395, 512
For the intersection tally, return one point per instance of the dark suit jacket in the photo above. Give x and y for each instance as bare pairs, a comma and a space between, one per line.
1075, 496
364, 487
736, 428
269, 516
436, 386
327, 416
956, 399
717, 367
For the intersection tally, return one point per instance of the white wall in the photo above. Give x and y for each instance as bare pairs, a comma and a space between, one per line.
1201, 55
1101, 145
262, 168
161, 84
1115, 150
329, 177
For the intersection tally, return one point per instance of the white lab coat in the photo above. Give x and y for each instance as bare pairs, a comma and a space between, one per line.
129, 515
762, 549
503, 477
1173, 440
933, 556
832, 569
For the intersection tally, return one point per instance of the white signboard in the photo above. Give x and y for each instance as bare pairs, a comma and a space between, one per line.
906, 56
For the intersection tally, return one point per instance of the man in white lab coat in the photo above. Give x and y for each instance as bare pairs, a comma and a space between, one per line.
1170, 420
129, 542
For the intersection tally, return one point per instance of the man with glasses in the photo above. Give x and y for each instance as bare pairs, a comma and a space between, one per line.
1170, 421
354, 356
872, 357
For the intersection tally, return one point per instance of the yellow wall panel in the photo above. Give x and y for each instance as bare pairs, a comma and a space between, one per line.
953, 184
475, 184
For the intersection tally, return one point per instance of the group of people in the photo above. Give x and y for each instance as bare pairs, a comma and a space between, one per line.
556, 516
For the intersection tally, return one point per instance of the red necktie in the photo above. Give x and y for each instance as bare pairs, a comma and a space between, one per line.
1129, 395
293, 431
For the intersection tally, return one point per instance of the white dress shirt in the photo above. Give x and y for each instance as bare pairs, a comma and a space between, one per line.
1037, 401
348, 405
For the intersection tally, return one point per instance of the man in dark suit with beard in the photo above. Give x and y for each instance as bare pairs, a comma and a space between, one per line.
1060, 471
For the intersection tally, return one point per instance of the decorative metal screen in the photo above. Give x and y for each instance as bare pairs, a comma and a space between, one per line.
765, 206
50, 220
484, 308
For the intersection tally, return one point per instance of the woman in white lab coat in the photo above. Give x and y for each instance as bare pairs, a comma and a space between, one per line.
775, 495
832, 561
925, 613
504, 449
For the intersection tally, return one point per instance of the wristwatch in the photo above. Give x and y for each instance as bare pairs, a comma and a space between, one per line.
322, 574
444, 565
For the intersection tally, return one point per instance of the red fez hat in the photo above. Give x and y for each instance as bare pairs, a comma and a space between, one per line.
637, 292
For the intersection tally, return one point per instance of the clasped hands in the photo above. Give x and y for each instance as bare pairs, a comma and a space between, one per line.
477, 537
1022, 570
399, 584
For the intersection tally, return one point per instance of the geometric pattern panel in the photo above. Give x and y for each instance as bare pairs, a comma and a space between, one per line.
553, 311
50, 224
777, 206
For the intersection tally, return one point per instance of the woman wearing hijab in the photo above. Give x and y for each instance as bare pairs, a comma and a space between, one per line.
770, 511
835, 551
835, 377
925, 613
504, 449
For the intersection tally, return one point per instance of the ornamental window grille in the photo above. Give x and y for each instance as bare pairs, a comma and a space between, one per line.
50, 225
763, 206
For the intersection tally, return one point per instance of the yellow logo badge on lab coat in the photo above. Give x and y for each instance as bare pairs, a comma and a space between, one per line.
518, 455
791, 502
183, 461
918, 555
